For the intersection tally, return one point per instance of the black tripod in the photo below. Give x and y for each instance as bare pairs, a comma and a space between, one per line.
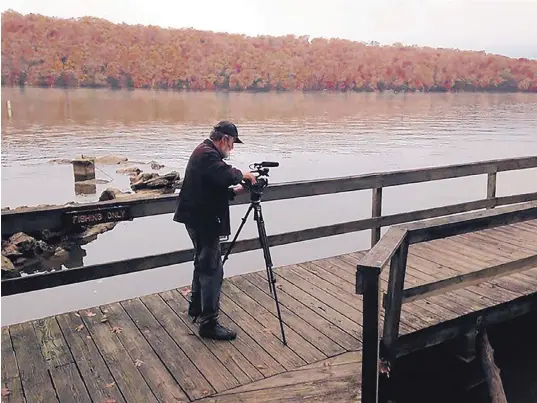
258, 217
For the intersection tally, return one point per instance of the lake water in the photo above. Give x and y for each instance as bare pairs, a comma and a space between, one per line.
311, 135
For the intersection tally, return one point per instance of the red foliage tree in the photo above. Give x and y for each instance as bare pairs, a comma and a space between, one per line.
93, 52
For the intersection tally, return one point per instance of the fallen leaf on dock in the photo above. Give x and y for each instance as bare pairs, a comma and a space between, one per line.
5, 392
105, 310
104, 319
110, 401
79, 328
205, 392
185, 291
90, 314
327, 364
261, 366
138, 363
110, 385
77, 314
117, 329
88, 337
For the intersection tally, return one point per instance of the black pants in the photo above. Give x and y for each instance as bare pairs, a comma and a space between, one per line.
208, 275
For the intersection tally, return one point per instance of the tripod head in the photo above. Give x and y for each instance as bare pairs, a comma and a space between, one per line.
262, 170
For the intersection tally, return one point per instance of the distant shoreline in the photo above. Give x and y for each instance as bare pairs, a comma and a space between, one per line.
439, 90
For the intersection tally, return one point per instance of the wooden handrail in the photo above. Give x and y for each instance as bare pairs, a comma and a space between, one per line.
37, 219
393, 246
468, 279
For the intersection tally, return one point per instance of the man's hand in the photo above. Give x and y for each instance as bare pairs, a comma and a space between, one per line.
249, 176
238, 189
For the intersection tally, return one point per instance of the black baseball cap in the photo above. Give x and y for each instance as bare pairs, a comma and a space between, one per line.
228, 128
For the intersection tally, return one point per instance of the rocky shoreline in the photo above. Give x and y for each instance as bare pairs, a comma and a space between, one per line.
47, 250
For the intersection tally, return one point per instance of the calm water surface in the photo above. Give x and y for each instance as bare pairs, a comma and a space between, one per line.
311, 136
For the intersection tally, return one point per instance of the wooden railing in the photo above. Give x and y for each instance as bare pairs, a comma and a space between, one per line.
392, 249
123, 210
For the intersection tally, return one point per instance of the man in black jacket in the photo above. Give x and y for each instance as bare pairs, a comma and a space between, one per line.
203, 206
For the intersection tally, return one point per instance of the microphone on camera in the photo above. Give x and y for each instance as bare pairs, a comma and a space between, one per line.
270, 164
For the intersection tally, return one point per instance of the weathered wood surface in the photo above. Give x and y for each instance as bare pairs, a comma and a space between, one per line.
146, 349
41, 218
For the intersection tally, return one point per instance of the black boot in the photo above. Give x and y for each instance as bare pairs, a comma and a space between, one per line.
194, 307
214, 330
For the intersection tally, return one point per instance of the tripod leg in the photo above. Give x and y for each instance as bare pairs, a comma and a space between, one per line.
237, 234
258, 216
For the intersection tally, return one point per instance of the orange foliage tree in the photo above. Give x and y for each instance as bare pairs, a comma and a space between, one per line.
93, 52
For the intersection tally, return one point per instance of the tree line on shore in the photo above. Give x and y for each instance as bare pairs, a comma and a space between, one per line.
92, 52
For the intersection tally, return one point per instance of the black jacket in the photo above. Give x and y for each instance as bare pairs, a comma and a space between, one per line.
203, 201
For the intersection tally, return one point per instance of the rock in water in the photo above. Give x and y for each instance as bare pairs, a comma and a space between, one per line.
133, 171
24, 243
155, 165
8, 269
111, 160
154, 181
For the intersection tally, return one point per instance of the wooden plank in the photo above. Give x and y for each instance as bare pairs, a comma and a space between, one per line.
175, 346
257, 356
416, 320
345, 389
122, 366
458, 259
300, 325
500, 241
228, 354
471, 258
156, 374
11, 381
394, 300
63, 370
99, 382
294, 303
347, 357
299, 376
36, 382
376, 211
350, 303
463, 280
68, 384
472, 296
316, 304
380, 254
371, 333
131, 265
53, 346
470, 222
491, 186
296, 343
51, 217
255, 329
321, 289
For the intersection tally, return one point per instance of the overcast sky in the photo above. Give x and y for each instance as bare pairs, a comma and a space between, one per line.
500, 26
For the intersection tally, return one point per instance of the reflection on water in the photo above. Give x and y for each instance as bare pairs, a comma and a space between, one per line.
312, 135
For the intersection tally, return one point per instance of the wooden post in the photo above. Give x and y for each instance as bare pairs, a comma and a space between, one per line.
394, 299
491, 186
367, 283
376, 211
492, 372
84, 169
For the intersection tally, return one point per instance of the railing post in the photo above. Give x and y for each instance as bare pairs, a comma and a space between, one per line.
394, 300
367, 284
491, 187
376, 211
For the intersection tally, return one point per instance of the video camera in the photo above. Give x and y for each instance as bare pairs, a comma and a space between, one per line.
262, 169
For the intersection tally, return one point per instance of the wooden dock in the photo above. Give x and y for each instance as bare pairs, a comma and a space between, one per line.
437, 275
147, 350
